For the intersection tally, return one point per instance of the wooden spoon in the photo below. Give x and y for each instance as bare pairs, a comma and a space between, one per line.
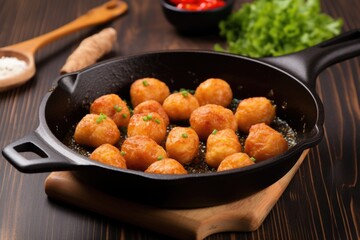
26, 50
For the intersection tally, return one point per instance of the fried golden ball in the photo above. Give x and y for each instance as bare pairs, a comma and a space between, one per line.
219, 145
209, 117
94, 130
254, 110
141, 151
148, 89
166, 166
214, 91
152, 106
179, 106
147, 124
236, 160
182, 144
108, 154
264, 142
112, 106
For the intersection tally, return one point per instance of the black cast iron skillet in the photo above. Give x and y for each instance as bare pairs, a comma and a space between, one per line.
289, 81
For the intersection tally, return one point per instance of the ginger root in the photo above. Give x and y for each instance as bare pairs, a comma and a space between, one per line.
90, 50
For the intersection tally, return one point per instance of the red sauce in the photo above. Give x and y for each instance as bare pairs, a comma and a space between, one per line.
197, 5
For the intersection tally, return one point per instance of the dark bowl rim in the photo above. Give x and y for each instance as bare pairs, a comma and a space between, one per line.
171, 7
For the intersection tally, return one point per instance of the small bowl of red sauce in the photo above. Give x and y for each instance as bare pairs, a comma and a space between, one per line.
196, 16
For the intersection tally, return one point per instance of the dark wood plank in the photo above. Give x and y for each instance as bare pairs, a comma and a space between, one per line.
322, 201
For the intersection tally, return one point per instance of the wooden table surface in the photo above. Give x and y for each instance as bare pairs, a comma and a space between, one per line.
322, 201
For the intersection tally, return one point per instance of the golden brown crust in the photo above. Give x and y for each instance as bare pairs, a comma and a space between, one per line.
182, 144
263, 142
112, 106
152, 106
254, 110
220, 145
236, 160
166, 166
94, 130
147, 124
211, 123
179, 106
209, 117
141, 151
148, 89
108, 154
214, 91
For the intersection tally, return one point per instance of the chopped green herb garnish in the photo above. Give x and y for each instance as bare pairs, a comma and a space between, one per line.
184, 93
123, 153
147, 117
100, 118
253, 159
145, 83
214, 131
184, 135
157, 121
160, 157
117, 108
124, 115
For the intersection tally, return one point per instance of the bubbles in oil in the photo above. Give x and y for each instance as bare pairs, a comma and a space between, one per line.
198, 165
284, 105
270, 94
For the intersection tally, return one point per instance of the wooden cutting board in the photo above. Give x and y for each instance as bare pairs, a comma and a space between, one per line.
246, 214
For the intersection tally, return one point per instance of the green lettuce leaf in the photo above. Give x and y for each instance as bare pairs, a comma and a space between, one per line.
276, 27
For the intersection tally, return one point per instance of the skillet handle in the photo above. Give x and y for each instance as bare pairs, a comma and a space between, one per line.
31, 155
307, 64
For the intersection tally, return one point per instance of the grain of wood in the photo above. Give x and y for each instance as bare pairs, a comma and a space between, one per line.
321, 202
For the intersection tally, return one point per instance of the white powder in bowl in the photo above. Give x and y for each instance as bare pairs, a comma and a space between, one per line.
10, 66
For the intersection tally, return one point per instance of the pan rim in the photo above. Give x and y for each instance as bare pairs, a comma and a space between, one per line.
80, 160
